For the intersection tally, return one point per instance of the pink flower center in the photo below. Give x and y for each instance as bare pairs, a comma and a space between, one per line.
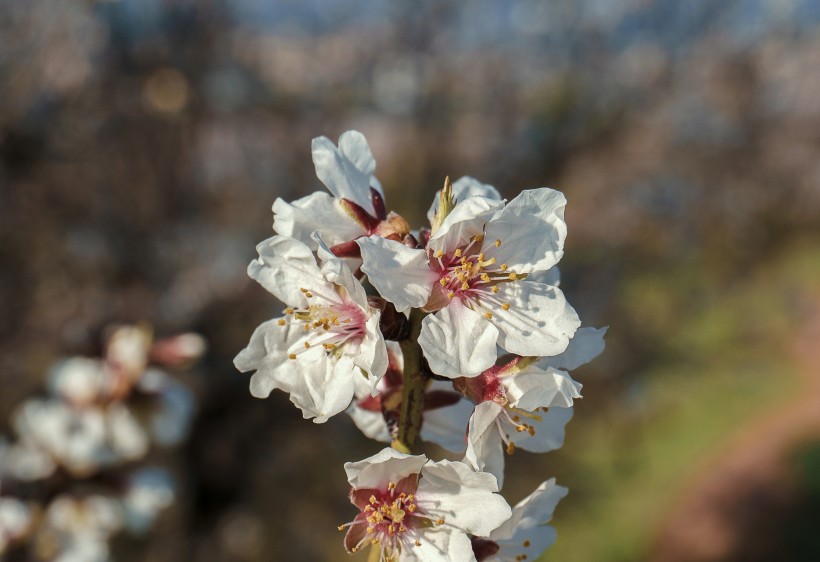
327, 322
467, 274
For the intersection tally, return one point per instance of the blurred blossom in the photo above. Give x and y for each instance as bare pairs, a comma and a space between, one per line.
77, 529
148, 492
15, 520
81, 440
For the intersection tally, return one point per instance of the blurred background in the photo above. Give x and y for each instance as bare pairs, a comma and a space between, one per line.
143, 142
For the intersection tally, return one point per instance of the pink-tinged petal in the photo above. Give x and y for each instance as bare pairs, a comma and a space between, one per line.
458, 341
400, 274
467, 219
317, 212
356, 533
585, 345
464, 498
439, 544
528, 524
538, 322
548, 431
484, 445
284, 267
541, 388
341, 177
531, 229
464, 188
388, 465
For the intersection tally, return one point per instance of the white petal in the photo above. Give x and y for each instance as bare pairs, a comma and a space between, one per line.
354, 147
551, 276
541, 388
439, 544
321, 385
585, 345
400, 274
388, 465
458, 341
285, 266
531, 229
464, 188
549, 432
371, 356
315, 212
370, 423
484, 445
447, 427
467, 219
338, 272
462, 497
528, 524
266, 354
341, 177
539, 321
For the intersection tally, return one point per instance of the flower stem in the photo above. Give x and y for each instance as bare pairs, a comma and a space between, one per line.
412, 397
375, 553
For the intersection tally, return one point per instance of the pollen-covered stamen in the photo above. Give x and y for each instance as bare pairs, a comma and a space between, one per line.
390, 518
510, 420
467, 273
328, 323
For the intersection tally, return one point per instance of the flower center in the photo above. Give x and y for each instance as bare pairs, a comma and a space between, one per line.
326, 322
469, 275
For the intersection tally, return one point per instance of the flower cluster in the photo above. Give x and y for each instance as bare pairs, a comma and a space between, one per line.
74, 477
465, 340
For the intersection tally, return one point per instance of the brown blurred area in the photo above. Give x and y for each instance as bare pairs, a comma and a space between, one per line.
142, 144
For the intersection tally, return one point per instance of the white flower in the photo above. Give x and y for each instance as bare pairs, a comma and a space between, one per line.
525, 535
150, 490
79, 528
463, 188
473, 275
445, 417
172, 409
356, 208
327, 338
15, 520
417, 510
81, 440
524, 403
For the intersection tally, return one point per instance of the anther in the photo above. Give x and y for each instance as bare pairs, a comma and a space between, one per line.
513, 276
465, 286
495, 289
498, 243
526, 544
503, 267
457, 253
292, 356
505, 306
488, 315
281, 322
510, 448
307, 345
450, 295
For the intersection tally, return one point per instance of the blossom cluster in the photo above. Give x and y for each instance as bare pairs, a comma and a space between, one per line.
456, 333
75, 475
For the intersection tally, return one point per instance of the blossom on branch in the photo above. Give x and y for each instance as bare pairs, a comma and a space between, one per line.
473, 276
328, 337
412, 509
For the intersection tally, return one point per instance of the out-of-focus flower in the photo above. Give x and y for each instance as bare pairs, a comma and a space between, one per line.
525, 535
446, 413
328, 336
169, 416
149, 491
356, 208
77, 529
81, 439
419, 510
473, 276
16, 518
